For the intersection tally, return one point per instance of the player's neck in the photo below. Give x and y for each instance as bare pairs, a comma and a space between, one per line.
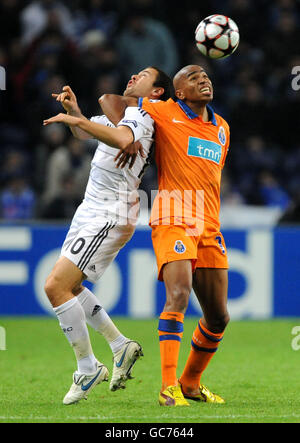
199, 109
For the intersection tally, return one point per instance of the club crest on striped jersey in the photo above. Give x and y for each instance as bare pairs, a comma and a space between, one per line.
179, 247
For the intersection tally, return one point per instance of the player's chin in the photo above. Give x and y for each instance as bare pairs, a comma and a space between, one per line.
128, 91
206, 97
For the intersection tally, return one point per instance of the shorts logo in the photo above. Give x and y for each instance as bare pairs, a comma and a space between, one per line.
205, 149
179, 247
222, 135
219, 240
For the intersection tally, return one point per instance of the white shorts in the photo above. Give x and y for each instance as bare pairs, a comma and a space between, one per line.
94, 240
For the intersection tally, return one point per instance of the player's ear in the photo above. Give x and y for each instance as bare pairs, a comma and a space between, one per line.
179, 94
100, 99
158, 92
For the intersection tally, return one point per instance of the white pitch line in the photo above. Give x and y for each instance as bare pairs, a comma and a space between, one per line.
158, 418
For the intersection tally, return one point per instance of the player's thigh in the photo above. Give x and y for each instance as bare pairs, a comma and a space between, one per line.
171, 244
95, 246
178, 277
211, 288
116, 239
85, 243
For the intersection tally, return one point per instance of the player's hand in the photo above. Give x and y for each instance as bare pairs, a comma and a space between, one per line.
62, 118
68, 99
129, 155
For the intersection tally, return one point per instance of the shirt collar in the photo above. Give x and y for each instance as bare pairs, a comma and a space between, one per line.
191, 114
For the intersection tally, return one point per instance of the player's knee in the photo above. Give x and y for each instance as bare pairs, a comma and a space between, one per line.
218, 323
178, 298
223, 321
52, 289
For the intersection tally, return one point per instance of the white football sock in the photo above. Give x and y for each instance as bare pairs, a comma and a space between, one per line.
97, 318
73, 323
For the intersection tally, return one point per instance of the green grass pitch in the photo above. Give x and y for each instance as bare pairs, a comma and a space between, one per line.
255, 369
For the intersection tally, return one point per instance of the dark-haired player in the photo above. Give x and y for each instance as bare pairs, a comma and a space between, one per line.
99, 229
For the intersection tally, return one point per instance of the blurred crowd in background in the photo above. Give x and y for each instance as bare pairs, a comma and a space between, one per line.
96, 45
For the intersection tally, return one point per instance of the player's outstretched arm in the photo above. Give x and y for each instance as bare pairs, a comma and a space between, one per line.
69, 102
114, 106
120, 137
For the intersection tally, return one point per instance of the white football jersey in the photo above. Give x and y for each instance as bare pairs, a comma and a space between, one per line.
108, 186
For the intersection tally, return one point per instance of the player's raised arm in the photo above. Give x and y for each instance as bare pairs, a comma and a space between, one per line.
69, 102
120, 137
114, 106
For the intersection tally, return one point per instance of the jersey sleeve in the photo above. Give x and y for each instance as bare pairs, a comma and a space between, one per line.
101, 119
98, 119
139, 121
155, 108
226, 147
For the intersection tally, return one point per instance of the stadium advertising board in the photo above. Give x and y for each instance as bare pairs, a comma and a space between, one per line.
264, 278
